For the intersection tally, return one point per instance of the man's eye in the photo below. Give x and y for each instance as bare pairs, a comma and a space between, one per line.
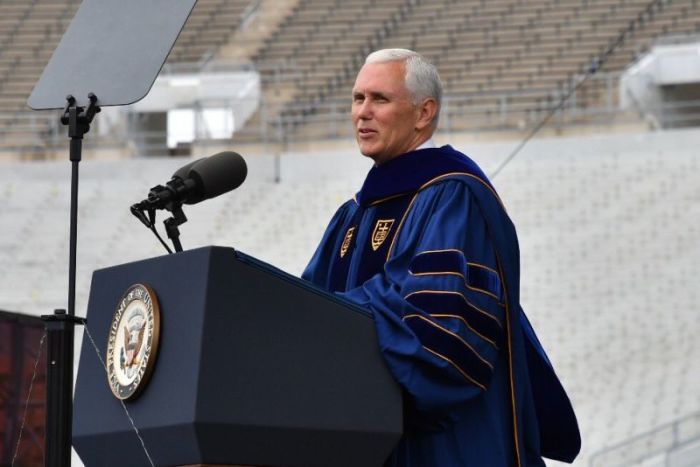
358, 99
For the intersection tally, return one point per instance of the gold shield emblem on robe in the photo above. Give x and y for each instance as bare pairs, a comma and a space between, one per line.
381, 232
346, 241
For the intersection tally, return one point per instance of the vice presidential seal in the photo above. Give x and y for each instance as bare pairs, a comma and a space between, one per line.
133, 341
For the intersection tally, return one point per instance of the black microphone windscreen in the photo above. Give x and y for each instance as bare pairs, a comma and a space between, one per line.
218, 174
184, 171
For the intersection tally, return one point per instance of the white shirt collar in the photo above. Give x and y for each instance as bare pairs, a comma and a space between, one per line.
427, 145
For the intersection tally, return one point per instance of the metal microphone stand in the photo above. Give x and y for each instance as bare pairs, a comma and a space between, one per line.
171, 224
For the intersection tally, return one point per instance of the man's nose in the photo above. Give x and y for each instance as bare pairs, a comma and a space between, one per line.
364, 110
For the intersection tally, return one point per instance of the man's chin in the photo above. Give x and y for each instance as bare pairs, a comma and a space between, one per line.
373, 153
377, 158
367, 150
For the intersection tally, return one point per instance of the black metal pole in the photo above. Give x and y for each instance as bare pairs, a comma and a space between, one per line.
76, 151
60, 326
59, 406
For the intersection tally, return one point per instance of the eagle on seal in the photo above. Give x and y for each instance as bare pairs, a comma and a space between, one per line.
133, 339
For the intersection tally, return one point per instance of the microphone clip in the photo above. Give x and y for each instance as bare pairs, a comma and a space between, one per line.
163, 197
139, 211
170, 196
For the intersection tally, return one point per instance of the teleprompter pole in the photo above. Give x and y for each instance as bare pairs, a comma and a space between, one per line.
59, 411
60, 326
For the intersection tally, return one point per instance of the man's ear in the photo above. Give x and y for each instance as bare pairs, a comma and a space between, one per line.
427, 110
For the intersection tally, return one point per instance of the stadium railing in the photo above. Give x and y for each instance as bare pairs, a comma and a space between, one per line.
662, 443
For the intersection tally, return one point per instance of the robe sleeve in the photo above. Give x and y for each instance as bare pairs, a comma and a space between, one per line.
437, 305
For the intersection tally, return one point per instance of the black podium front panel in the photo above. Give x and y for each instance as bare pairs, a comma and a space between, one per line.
255, 367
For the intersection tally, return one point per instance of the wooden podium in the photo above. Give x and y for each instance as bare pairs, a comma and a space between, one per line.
255, 368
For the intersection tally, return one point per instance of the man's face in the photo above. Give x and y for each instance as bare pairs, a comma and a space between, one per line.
382, 112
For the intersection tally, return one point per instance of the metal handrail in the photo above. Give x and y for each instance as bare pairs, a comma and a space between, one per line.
677, 39
642, 446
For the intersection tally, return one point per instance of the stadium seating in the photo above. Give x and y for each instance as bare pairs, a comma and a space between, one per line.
29, 31
523, 54
209, 27
483, 50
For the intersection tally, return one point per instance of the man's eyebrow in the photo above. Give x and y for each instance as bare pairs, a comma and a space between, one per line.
372, 94
379, 95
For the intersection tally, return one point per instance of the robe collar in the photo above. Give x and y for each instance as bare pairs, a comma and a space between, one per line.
408, 172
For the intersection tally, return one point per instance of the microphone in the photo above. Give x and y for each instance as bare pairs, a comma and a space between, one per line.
183, 171
197, 181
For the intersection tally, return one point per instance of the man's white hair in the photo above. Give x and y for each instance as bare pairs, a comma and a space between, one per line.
422, 78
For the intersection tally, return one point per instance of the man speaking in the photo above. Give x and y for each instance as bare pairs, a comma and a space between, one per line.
427, 246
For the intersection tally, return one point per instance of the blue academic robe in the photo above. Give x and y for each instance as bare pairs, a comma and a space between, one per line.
427, 246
